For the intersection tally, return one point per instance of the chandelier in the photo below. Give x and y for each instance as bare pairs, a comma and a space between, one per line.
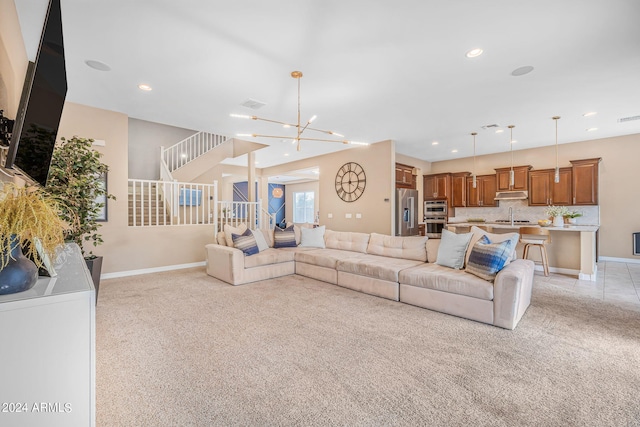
300, 128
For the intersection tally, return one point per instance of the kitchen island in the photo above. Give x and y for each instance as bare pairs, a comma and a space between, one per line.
572, 249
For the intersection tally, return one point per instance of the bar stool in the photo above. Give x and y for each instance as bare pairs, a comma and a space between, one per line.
536, 236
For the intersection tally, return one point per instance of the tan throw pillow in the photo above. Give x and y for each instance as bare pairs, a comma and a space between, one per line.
221, 239
228, 230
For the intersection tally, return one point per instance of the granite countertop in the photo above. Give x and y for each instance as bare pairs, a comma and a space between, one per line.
566, 227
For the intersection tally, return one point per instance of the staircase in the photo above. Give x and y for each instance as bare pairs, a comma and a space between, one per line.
147, 206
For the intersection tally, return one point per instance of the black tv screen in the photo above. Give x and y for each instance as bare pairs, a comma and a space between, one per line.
36, 126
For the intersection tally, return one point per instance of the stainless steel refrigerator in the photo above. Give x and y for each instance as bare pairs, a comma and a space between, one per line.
406, 212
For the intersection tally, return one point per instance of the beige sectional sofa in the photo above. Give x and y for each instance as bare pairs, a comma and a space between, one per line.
397, 268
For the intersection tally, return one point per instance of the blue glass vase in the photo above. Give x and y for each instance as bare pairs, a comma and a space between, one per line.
20, 274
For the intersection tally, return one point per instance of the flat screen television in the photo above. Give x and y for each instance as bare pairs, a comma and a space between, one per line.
45, 88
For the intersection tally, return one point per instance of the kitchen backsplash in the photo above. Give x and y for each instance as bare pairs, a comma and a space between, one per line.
522, 211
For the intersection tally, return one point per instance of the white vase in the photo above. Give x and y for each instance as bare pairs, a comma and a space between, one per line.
571, 220
558, 221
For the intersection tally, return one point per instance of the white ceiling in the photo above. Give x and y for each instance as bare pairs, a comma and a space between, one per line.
373, 70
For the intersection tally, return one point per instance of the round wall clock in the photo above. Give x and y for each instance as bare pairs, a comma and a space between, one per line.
350, 182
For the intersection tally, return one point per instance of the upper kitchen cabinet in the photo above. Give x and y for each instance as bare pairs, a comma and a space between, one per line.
459, 189
485, 192
520, 181
437, 186
405, 177
585, 181
544, 191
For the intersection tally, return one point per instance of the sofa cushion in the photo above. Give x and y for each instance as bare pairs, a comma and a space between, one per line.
221, 239
378, 267
267, 257
487, 258
494, 238
432, 249
312, 237
229, 229
325, 257
445, 279
453, 248
346, 240
284, 238
246, 242
408, 248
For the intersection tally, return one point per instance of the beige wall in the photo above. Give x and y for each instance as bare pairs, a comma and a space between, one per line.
378, 162
13, 59
619, 201
127, 248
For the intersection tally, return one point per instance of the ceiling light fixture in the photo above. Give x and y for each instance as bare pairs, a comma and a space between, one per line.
511, 174
556, 176
97, 65
589, 114
591, 129
299, 127
473, 53
435, 143
500, 131
145, 87
474, 159
455, 150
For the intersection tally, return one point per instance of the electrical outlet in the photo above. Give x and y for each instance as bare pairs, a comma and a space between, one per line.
329, 215
358, 216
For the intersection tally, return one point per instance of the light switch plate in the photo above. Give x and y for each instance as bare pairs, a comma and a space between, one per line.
329, 215
348, 216
358, 216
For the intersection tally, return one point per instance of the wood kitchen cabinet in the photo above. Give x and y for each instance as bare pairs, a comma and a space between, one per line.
543, 191
405, 177
584, 187
485, 192
459, 189
520, 178
437, 186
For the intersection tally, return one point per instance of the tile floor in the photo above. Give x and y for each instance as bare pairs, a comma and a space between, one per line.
616, 282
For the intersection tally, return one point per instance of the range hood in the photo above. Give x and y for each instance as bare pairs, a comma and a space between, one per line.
512, 195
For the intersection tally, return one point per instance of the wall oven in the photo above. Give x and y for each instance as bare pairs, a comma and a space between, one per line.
435, 208
433, 226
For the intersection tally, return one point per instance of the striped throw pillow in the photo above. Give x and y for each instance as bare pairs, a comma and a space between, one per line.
284, 238
487, 259
245, 242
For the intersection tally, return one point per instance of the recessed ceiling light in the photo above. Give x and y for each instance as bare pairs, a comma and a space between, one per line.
144, 87
499, 130
286, 154
256, 162
97, 65
455, 150
435, 143
474, 53
589, 114
522, 71
591, 129
514, 141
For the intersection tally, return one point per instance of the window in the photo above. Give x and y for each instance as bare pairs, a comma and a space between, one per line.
303, 205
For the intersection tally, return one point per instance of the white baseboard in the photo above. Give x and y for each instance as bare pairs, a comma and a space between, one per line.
150, 270
613, 259
569, 272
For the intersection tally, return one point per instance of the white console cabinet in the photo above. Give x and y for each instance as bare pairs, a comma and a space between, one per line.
47, 349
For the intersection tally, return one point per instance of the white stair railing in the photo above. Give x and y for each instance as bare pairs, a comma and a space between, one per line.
249, 213
188, 150
153, 203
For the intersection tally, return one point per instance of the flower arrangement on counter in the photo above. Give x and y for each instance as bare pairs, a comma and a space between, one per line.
557, 211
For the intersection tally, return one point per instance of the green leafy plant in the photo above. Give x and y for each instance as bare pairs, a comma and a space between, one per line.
555, 211
572, 214
75, 179
30, 215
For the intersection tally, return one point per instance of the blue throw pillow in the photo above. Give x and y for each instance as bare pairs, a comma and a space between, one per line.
487, 259
284, 238
245, 242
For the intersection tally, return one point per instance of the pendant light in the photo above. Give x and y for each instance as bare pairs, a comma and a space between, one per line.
474, 159
556, 176
511, 174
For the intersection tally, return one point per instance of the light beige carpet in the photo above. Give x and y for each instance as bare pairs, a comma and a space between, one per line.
184, 349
